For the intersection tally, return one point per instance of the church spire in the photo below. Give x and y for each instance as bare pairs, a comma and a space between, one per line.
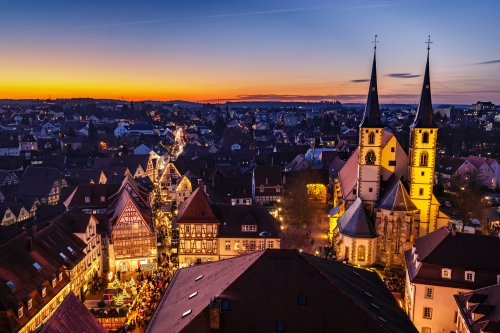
371, 117
425, 117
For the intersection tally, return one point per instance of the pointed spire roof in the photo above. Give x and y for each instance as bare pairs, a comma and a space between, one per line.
371, 117
425, 117
395, 197
355, 222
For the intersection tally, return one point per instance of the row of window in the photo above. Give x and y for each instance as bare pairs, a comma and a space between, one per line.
371, 137
249, 245
197, 229
469, 275
28, 301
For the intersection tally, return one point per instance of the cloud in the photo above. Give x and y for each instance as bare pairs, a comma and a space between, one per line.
403, 75
358, 81
488, 62
266, 12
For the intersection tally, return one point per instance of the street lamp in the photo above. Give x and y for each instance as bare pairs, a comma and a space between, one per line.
265, 234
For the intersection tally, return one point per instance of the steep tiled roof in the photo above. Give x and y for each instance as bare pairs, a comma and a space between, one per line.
395, 197
267, 287
38, 182
488, 304
355, 222
72, 317
233, 217
196, 208
459, 252
271, 173
386, 136
349, 173
449, 165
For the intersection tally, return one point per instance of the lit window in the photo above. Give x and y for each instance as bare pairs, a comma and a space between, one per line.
426, 330
187, 229
249, 228
102, 198
446, 273
427, 313
20, 311
429, 292
29, 302
361, 253
278, 189
261, 245
245, 245
11, 285
87, 199
228, 245
469, 276
70, 249
262, 189
270, 244
53, 281
43, 291
236, 245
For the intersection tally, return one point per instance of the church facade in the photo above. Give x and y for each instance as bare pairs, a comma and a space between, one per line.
383, 195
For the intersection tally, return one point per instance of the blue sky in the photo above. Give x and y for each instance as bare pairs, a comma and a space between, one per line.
275, 49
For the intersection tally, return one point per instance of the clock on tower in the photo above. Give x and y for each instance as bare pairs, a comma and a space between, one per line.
370, 157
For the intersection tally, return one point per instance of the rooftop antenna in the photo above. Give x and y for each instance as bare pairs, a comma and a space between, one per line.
428, 43
375, 42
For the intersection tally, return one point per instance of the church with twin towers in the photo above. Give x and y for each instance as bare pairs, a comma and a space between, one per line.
383, 196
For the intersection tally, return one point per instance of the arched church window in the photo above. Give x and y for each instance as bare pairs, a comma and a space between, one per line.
361, 253
425, 137
386, 222
424, 157
371, 138
397, 236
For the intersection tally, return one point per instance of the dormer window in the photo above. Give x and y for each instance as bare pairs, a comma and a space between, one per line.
469, 276
70, 249
446, 273
11, 285
262, 189
249, 228
43, 291
266, 180
87, 199
53, 281
37, 266
19, 311
59, 275
28, 301
102, 198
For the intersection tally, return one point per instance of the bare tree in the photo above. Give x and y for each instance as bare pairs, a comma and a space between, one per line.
300, 196
466, 190
296, 238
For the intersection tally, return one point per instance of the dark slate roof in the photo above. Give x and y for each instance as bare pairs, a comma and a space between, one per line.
72, 317
371, 118
264, 287
232, 218
272, 173
459, 252
449, 165
488, 304
355, 222
395, 197
38, 182
425, 117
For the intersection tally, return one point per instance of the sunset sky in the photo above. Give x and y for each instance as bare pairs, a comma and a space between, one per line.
249, 50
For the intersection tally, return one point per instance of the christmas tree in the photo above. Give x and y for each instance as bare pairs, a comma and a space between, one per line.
116, 283
132, 283
118, 299
124, 294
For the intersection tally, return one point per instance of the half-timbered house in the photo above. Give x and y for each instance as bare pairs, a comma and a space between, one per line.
133, 235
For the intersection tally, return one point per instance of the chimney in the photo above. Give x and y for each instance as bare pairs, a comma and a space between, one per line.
214, 310
30, 243
453, 229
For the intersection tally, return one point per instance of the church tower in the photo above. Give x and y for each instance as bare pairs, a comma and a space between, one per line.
422, 158
370, 146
